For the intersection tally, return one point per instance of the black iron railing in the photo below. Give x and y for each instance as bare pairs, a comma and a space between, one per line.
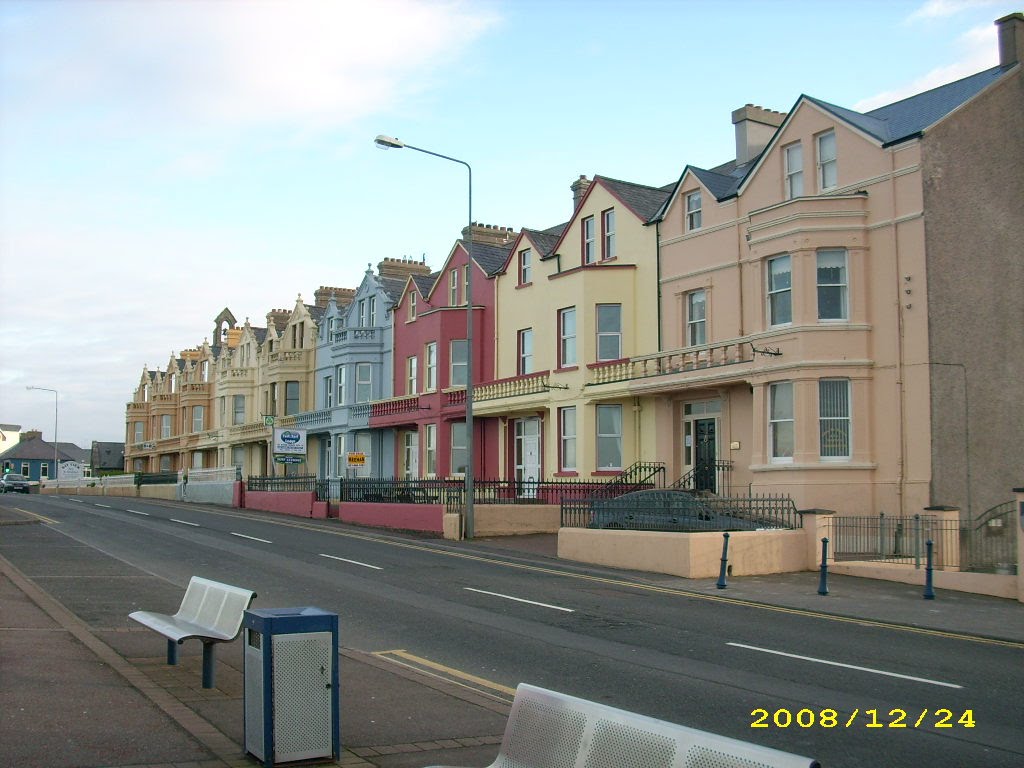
156, 478
678, 510
894, 539
989, 542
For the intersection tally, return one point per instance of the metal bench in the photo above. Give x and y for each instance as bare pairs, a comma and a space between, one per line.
210, 611
547, 729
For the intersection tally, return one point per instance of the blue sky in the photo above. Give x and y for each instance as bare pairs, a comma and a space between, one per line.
162, 160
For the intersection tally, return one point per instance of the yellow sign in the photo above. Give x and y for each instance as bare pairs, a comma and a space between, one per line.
357, 459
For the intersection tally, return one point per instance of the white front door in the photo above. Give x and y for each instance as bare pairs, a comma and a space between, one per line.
412, 455
528, 455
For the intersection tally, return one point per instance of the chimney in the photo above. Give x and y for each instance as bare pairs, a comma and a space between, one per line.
579, 189
232, 336
278, 318
401, 268
323, 295
755, 127
1011, 39
489, 234
32, 434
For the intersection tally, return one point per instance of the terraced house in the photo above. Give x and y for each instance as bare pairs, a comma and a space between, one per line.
432, 362
573, 303
840, 303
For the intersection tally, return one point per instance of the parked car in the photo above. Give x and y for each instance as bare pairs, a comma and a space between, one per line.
663, 510
14, 483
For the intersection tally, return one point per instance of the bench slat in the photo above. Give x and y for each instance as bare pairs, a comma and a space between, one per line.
547, 729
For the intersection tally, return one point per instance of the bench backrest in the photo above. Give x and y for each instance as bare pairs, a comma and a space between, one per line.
547, 729
220, 607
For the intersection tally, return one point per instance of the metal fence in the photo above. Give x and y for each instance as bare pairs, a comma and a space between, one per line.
448, 491
679, 510
157, 478
888, 539
989, 542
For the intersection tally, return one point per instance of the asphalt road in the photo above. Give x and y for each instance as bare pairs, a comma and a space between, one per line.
830, 689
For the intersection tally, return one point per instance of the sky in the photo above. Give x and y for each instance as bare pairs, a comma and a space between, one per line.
161, 160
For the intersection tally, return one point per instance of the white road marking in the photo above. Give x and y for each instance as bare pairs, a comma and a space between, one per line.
846, 666
105, 506
354, 562
184, 522
136, 512
253, 538
520, 600
77, 501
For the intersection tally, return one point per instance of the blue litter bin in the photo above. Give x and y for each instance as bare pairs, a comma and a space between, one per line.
291, 685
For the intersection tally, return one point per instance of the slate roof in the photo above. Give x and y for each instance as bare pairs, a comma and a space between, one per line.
907, 118
392, 287
37, 449
82, 455
107, 455
425, 283
545, 241
642, 200
315, 312
260, 334
491, 258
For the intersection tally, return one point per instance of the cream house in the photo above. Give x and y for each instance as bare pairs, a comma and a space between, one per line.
572, 304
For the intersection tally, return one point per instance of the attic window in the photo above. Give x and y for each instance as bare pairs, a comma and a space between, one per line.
412, 306
693, 211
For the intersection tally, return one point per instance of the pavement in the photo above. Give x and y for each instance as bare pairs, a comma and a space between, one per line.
77, 695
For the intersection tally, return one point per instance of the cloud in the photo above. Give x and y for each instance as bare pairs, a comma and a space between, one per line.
977, 51
940, 9
308, 65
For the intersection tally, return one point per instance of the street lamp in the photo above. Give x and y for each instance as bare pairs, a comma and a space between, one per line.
56, 475
389, 142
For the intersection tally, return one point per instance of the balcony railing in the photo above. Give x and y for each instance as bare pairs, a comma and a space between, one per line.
530, 384
319, 418
358, 334
675, 361
134, 407
249, 431
290, 356
395, 405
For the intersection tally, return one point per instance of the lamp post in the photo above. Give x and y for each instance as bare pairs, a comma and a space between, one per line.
389, 142
56, 473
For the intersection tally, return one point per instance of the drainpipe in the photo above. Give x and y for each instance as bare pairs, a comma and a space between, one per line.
900, 391
657, 265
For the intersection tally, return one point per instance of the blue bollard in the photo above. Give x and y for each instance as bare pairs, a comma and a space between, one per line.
823, 580
929, 593
725, 559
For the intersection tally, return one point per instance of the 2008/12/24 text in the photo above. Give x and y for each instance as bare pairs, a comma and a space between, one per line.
868, 718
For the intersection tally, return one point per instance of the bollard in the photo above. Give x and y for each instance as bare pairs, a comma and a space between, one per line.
823, 581
725, 558
929, 593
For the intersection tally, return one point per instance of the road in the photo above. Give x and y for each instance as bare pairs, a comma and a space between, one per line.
830, 689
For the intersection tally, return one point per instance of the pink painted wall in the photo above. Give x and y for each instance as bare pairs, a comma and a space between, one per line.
298, 503
408, 517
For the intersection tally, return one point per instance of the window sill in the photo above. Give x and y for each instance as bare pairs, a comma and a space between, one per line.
524, 285
802, 466
567, 369
606, 473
